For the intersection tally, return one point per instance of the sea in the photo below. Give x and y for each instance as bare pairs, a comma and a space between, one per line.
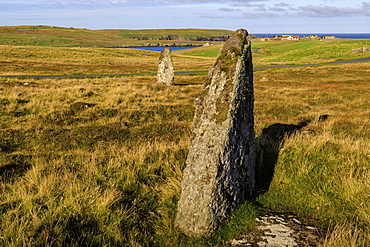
160, 48
338, 35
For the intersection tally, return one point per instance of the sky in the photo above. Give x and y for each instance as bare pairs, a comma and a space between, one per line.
257, 16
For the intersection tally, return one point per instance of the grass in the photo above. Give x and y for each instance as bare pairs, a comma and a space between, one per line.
36, 60
69, 37
309, 51
321, 173
29, 60
204, 51
98, 161
118, 155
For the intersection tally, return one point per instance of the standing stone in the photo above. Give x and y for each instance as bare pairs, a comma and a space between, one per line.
165, 73
220, 166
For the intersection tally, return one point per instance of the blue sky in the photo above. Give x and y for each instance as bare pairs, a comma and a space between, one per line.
257, 16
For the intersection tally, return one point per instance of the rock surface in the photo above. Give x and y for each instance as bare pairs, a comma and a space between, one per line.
281, 230
165, 73
220, 166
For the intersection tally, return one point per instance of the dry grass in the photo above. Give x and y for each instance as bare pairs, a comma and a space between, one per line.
106, 174
345, 234
322, 172
28, 60
98, 161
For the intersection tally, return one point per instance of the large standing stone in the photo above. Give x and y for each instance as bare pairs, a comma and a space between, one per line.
165, 73
220, 166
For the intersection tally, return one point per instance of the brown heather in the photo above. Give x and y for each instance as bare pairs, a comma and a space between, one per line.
98, 161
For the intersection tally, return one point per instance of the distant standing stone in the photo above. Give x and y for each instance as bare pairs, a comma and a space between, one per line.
220, 166
165, 73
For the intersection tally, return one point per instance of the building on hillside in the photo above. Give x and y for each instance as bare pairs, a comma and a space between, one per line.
265, 39
361, 50
290, 37
329, 37
313, 37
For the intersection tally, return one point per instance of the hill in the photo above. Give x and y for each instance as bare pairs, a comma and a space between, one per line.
59, 36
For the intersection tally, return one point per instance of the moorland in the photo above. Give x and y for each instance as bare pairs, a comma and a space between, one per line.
97, 161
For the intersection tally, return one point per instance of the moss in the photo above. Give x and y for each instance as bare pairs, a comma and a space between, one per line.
241, 39
227, 60
223, 102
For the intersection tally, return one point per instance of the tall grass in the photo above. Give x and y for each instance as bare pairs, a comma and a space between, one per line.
28, 60
98, 162
322, 172
106, 174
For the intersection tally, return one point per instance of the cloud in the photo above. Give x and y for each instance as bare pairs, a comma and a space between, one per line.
258, 15
228, 9
209, 16
333, 11
259, 10
245, 3
281, 4
366, 5
211, 1
44, 2
186, 13
276, 9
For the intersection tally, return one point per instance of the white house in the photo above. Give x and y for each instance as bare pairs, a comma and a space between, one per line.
290, 37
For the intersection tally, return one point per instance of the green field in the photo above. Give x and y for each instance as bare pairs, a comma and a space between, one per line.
310, 51
98, 161
67, 37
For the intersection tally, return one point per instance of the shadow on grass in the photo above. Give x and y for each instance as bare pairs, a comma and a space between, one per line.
268, 146
17, 167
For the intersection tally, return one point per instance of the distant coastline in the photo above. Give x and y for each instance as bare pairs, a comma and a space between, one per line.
157, 48
338, 35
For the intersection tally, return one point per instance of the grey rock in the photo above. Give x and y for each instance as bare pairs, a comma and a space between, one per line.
220, 166
165, 74
281, 230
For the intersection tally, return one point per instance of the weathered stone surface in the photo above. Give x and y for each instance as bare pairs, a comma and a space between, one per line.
165, 73
220, 166
281, 230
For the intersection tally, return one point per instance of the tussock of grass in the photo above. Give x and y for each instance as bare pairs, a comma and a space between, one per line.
345, 234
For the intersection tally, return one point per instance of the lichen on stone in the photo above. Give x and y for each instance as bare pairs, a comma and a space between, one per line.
219, 171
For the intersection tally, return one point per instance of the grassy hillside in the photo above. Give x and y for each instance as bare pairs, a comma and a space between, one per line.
98, 161
57, 36
309, 51
41, 60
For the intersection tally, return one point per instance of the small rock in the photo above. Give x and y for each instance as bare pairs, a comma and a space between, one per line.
297, 221
241, 242
311, 228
